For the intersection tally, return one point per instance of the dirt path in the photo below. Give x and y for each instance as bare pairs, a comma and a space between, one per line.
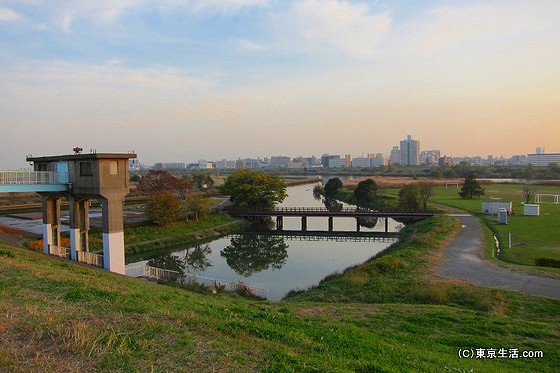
463, 260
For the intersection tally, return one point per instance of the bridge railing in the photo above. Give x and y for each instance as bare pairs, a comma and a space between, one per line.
32, 177
234, 209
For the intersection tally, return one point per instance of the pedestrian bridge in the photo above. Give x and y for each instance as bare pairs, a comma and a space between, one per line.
33, 181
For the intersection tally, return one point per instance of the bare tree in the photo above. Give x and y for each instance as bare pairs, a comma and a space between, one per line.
528, 192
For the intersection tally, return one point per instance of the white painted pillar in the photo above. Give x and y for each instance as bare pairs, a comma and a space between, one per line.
51, 222
47, 237
113, 235
113, 252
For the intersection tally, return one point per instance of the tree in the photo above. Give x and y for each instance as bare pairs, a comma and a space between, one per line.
163, 191
197, 204
332, 186
528, 192
409, 197
163, 208
425, 190
249, 188
161, 181
366, 191
471, 188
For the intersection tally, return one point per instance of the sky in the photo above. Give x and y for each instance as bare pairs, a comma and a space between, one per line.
186, 80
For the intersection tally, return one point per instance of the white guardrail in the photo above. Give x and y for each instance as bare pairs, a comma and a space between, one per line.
61, 251
33, 177
166, 274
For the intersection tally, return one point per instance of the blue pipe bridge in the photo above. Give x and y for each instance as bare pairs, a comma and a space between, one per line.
33, 181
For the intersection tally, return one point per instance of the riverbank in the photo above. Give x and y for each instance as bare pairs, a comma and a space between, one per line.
62, 316
151, 237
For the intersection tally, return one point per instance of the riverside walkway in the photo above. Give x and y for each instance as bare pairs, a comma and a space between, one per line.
464, 261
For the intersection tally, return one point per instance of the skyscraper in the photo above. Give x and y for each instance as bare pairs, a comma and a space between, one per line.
410, 152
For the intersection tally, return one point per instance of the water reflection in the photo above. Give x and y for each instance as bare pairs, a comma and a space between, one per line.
191, 260
250, 253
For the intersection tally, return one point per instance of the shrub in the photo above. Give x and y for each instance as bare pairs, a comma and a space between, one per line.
548, 262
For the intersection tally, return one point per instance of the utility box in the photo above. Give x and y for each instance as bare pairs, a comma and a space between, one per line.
492, 208
502, 216
532, 210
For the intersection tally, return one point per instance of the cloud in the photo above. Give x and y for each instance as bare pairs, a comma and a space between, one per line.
226, 6
351, 28
9, 15
250, 46
449, 26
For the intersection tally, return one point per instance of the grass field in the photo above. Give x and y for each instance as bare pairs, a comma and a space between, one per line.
533, 237
58, 316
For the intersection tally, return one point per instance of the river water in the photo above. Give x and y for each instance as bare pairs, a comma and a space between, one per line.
276, 262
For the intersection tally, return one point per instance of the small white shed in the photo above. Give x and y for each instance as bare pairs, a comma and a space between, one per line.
531, 210
492, 208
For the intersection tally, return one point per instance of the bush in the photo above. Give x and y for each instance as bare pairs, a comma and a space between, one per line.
548, 262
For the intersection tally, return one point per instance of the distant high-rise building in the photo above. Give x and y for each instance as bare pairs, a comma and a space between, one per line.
410, 152
540, 150
395, 157
348, 159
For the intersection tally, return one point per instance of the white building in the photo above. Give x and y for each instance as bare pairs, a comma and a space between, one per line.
334, 162
543, 159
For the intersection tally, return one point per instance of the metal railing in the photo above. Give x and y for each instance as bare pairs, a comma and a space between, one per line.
90, 258
150, 272
33, 177
61, 251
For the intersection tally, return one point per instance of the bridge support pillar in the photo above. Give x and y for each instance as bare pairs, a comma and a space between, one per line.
357, 224
113, 234
304, 223
330, 223
79, 226
51, 222
386, 225
279, 223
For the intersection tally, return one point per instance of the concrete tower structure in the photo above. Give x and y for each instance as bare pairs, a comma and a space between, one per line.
104, 177
410, 152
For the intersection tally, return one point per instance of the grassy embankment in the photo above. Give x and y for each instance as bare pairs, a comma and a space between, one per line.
60, 316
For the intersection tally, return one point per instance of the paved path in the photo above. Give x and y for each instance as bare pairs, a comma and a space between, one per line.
463, 260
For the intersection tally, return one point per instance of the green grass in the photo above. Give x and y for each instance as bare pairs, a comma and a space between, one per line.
58, 316
533, 237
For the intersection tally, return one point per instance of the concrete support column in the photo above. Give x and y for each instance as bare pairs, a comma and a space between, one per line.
330, 223
357, 224
279, 223
51, 222
386, 225
113, 235
79, 226
304, 223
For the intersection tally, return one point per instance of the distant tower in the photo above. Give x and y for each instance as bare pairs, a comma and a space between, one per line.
540, 150
395, 157
410, 152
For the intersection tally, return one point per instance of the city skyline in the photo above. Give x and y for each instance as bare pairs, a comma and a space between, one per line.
228, 79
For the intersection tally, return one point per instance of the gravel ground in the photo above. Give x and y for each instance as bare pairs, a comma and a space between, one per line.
463, 260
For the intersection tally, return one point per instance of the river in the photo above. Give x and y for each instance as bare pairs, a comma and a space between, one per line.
276, 262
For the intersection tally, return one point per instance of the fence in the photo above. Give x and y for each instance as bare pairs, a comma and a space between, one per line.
166, 274
89, 258
32, 177
63, 252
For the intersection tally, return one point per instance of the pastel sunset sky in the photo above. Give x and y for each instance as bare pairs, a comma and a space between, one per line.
211, 79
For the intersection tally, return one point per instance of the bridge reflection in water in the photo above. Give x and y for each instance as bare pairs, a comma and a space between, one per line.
338, 236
